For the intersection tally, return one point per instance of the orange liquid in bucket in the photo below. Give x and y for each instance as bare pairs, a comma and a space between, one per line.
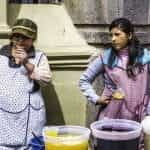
68, 145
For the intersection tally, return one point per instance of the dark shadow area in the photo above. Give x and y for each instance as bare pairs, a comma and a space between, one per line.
53, 109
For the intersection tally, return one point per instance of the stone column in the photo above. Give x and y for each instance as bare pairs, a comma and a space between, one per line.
68, 55
4, 28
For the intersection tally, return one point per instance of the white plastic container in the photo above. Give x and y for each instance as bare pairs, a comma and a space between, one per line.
66, 137
146, 129
116, 134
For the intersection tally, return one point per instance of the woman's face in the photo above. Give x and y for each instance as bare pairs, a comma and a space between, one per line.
119, 38
22, 41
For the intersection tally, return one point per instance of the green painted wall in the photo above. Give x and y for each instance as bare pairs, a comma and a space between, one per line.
64, 102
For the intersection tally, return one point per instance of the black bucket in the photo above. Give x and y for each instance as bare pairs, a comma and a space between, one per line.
116, 134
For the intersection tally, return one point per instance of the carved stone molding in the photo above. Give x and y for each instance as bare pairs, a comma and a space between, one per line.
4, 28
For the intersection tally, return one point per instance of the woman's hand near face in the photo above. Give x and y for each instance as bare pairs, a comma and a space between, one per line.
20, 54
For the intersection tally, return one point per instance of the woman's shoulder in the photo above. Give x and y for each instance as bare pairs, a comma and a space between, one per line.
107, 52
105, 55
39, 53
102, 55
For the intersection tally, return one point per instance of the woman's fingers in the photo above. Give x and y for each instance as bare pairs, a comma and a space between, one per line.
103, 100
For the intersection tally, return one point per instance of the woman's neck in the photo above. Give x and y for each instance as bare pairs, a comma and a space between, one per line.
123, 51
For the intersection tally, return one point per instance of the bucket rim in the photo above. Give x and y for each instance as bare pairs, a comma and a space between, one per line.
107, 135
86, 133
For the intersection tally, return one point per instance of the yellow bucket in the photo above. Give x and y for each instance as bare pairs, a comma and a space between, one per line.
66, 137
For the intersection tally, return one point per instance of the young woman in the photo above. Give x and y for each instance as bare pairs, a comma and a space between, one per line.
23, 71
124, 67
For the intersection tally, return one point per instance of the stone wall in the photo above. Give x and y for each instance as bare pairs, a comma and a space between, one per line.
93, 17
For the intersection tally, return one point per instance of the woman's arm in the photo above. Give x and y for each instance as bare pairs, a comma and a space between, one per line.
41, 72
85, 83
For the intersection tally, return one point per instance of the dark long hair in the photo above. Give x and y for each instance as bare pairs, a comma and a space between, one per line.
135, 50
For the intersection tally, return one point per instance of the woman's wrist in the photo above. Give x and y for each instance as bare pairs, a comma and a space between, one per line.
25, 61
28, 66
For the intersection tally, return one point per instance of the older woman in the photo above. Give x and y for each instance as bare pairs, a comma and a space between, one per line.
23, 71
125, 69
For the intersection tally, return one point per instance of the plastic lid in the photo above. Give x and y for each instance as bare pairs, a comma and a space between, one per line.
58, 133
116, 129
